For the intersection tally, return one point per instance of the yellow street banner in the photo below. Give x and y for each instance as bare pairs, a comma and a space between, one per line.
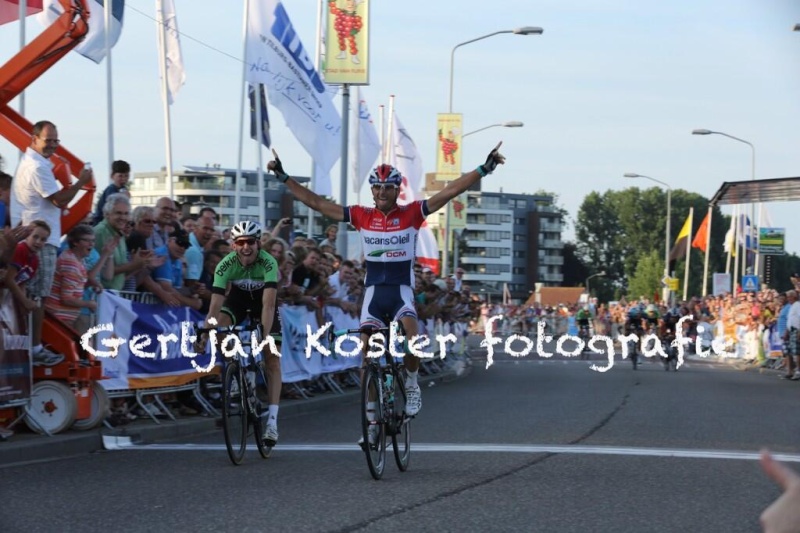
347, 42
448, 146
458, 212
673, 284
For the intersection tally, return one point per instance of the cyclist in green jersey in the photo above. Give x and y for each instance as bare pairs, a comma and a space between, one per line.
251, 274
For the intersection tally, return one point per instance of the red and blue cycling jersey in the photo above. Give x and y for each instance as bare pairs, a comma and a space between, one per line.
389, 241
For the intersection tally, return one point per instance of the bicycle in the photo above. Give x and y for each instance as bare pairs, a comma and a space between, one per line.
386, 388
244, 399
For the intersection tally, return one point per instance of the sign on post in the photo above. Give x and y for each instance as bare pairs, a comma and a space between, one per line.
721, 283
347, 45
448, 146
750, 283
772, 241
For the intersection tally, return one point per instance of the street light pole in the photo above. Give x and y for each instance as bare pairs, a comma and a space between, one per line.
665, 291
524, 30
599, 274
509, 124
753, 221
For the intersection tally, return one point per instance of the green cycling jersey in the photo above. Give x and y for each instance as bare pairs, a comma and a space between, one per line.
263, 273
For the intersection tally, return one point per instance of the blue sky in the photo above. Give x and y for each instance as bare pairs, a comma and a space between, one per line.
612, 86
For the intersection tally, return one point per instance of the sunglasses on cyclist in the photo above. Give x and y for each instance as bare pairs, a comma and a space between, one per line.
384, 186
242, 242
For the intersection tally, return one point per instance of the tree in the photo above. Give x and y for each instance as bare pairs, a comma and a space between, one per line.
646, 281
575, 270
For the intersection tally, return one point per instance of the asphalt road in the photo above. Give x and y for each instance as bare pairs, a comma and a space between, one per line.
487, 458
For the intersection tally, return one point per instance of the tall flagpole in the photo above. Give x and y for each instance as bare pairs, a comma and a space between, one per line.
317, 63
688, 255
736, 250
162, 50
237, 186
708, 250
262, 216
109, 4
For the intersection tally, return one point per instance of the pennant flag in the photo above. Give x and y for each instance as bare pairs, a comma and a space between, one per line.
264, 115
701, 239
405, 157
275, 56
679, 250
171, 49
9, 10
367, 145
93, 45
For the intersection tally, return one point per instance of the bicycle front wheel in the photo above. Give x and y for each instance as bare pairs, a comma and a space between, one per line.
373, 430
234, 412
401, 436
262, 404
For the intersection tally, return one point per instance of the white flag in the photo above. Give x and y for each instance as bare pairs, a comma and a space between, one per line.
171, 49
93, 45
404, 156
366, 146
276, 57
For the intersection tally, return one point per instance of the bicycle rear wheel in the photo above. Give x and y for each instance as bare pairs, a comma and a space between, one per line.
234, 412
262, 404
401, 436
374, 449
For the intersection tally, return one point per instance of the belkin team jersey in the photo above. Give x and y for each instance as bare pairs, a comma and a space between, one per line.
389, 241
263, 273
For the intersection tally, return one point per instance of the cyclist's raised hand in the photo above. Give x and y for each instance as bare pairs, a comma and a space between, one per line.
276, 168
493, 159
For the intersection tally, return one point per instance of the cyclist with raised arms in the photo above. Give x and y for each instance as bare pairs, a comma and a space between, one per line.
252, 275
388, 237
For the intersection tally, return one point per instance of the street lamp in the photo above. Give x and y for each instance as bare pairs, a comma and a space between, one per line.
524, 30
669, 216
752, 206
509, 124
599, 274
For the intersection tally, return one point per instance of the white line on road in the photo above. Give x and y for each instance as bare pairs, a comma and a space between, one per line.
124, 443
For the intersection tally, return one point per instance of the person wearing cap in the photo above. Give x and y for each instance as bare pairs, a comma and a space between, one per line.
170, 274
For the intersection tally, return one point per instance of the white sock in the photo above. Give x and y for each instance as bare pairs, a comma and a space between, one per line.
411, 380
272, 418
371, 406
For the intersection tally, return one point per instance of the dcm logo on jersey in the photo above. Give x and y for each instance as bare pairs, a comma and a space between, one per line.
388, 253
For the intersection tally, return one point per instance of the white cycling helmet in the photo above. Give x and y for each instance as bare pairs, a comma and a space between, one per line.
247, 228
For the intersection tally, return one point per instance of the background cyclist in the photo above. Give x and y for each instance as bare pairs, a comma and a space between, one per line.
252, 275
388, 237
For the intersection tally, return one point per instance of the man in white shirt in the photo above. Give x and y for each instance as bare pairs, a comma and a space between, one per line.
36, 195
792, 335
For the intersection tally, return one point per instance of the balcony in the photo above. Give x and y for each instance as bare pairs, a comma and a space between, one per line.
552, 278
552, 260
556, 244
550, 226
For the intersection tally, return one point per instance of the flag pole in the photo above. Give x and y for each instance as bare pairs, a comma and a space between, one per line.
162, 50
317, 63
688, 255
237, 186
109, 93
757, 231
708, 250
356, 142
262, 216
736, 251
341, 240
732, 232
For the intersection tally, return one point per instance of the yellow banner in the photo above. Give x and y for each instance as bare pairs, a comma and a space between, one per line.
458, 212
448, 146
347, 42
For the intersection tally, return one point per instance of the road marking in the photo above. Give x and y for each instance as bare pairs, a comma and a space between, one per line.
125, 443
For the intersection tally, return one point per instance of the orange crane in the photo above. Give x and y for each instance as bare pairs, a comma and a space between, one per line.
79, 370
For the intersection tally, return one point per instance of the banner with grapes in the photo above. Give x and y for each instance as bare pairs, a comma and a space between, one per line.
448, 146
347, 42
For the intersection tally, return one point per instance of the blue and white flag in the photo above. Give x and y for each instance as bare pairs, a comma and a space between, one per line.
367, 145
93, 45
275, 57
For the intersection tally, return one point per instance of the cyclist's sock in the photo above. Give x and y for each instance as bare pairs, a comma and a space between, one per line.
411, 380
272, 416
371, 406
